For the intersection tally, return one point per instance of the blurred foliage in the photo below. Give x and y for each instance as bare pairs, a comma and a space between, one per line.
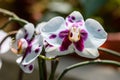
107, 12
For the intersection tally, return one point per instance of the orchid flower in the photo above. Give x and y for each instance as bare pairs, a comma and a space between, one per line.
73, 34
29, 46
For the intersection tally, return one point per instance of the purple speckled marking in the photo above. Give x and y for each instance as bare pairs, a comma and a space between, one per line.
71, 34
26, 34
65, 44
30, 67
66, 24
63, 34
37, 50
68, 17
73, 17
75, 25
28, 50
70, 20
53, 36
99, 30
79, 45
84, 34
24, 65
48, 45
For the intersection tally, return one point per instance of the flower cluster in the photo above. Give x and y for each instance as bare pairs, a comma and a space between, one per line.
58, 36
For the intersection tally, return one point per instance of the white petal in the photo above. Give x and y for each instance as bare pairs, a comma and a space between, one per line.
96, 34
26, 32
26, 68
53, 27
39, 27
35, 52
6, 44
88, 53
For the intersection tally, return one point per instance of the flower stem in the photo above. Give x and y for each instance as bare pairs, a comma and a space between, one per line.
86, 63
41, 71
42, 67
20, 75
13, 17
54, 64
46, 58
19, 20
110, 51
8, 13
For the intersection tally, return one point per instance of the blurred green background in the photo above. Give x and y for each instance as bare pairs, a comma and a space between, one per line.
107, 12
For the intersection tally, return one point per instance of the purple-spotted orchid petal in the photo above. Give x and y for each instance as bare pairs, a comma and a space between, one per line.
26, 68
84, 37
6, 44
96, 34
50, 30
33, 50
74, 18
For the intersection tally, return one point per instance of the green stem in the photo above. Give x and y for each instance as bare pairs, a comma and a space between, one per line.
42, 67
41, 71
20, 75
54, 64
13, 17
19, 20
86, 63
46, 58
110, 51
8, 13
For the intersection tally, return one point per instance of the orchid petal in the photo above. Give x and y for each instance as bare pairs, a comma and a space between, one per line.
96, 34
39, 27
26, 68
74, 17
26, 32
53, 25
5, 46
88, 53
35, 50
51, 30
